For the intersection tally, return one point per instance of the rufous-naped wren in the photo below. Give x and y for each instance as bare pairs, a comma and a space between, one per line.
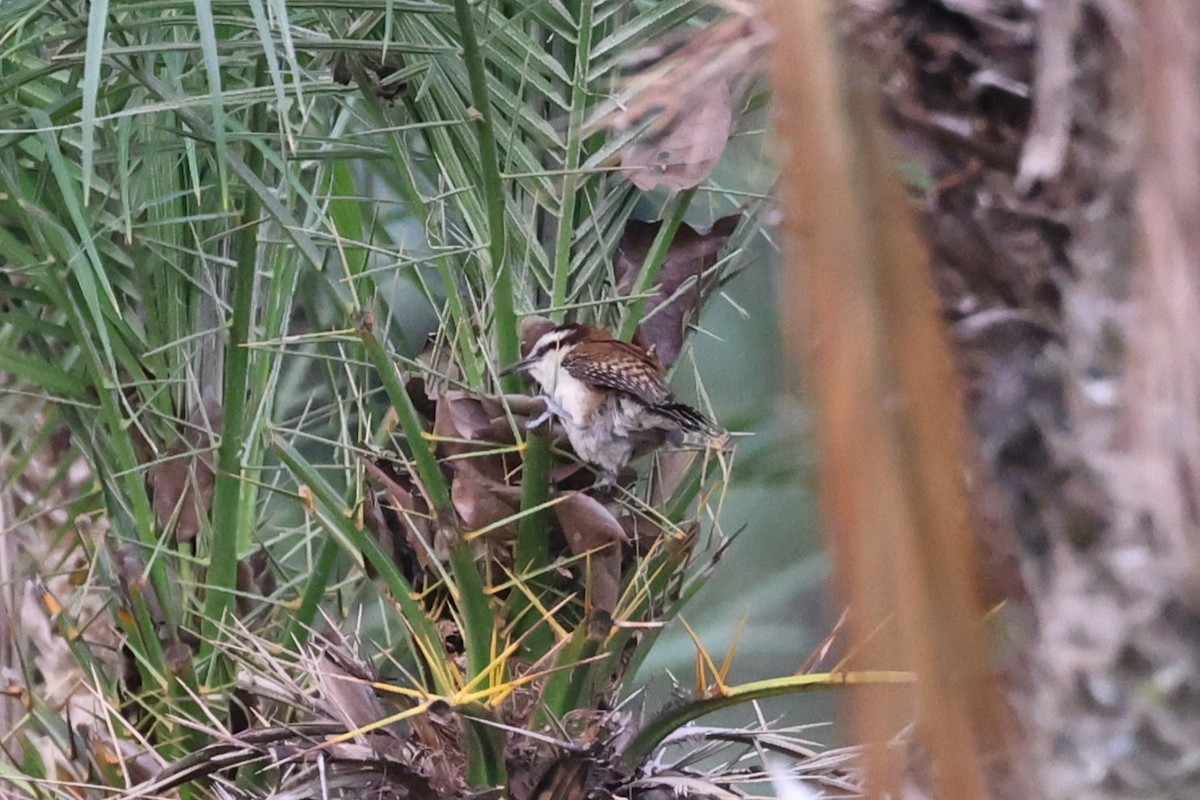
610, 396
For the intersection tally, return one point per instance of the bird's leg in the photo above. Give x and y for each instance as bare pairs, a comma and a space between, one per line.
607, 479
539, 419
553, 409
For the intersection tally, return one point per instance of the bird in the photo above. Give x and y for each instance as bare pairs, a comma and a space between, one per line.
610, 396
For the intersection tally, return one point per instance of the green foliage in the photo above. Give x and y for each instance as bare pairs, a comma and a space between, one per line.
219, 267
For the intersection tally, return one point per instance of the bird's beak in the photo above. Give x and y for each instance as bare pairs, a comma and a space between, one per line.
520, 366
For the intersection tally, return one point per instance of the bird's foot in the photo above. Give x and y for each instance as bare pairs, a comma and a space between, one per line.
605, 480
553, 409
540, 419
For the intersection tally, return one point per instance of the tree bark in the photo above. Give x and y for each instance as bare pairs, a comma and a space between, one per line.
1056, 163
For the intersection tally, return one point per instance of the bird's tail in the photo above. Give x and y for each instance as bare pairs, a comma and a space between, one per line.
687, 417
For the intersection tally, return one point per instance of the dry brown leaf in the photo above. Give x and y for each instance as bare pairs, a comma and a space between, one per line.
468, 419
641, 529
686, 152
132, 579
177, 658
509, 493
587, 523
120, 753
345, 691
672, 468
591, 528
480, 507
343, 68
423, 395
255, 579
437, 371
463, 417
402, 503
181, 482
681, 85
681, 281
344, 683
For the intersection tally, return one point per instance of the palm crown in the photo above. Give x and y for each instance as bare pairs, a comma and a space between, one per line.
226, 231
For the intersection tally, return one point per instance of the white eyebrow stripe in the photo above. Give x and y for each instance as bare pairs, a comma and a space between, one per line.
551, 339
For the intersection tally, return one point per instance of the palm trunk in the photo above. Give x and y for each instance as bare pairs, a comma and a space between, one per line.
1063, 214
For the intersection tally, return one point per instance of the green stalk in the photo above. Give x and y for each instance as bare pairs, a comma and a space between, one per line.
280, 272
676, 716
485, 746
556, 695
589, 674
145, 524
298, 627
566, 219
505, 325
429, 472
181, 687
223, 551
533, 548
672, 218
70, 296
332, 511
185, 692
461, 333
477, 618
244, 169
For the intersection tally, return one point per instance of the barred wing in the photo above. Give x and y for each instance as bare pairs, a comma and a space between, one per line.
621, 366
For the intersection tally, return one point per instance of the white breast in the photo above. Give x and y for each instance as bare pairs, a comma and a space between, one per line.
570, 394
604, 428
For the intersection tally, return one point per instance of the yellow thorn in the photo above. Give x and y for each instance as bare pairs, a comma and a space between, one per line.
704, 666
727, 664
306, 496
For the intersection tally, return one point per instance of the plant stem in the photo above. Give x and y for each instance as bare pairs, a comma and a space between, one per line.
223, 551
657, 255
575, 134
332, 511
505, 324
679, 714
485, 747
477, 620
424, 460
318, 580
533, 548
460, 329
